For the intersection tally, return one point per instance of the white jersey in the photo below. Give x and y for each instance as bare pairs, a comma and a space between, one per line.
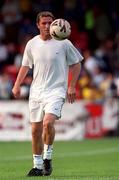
50, 60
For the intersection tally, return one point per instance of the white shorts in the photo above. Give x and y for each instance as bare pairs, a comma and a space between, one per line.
39, 108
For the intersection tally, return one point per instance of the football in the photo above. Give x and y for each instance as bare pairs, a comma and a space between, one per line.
60, 29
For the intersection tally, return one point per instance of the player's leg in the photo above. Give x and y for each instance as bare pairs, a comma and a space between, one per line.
37, 149
37, 144
36, 116
52, 112
48, 138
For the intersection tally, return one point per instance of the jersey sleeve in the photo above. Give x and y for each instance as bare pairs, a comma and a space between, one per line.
73, 55
27, 57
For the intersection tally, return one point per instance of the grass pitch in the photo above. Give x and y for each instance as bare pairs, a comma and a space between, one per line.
72, 160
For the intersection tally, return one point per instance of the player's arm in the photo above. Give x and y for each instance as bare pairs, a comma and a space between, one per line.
21, 75
71, 93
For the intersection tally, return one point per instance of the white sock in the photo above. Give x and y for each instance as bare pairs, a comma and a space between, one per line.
47, 151
37, 161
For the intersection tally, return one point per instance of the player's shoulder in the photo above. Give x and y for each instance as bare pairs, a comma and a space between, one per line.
34, 39
31, 41
67, 42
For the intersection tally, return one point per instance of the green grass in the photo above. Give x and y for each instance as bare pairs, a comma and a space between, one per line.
72, 160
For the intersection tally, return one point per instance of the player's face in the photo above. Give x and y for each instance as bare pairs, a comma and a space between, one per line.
44, 26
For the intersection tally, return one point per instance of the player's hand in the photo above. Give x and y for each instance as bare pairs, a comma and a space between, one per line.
71, 94
16, 91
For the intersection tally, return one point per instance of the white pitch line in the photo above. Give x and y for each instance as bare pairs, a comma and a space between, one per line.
62, 155
89, 153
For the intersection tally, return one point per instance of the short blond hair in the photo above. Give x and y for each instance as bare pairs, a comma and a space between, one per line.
44, 14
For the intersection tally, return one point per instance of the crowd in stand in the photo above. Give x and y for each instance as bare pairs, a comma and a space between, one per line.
95, 32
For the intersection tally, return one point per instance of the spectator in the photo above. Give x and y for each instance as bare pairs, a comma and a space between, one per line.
11, 17
2, 29
27, 28
102, 24
3, 55
90, 63
25, 8
5, 86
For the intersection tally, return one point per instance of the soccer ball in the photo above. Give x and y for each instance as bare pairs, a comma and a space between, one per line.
60, 29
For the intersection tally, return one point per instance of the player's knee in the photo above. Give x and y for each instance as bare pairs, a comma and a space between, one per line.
47, 125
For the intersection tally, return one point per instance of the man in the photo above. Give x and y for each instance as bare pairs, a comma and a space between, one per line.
50, 60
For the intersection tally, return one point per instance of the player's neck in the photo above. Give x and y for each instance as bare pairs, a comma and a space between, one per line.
45, 38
